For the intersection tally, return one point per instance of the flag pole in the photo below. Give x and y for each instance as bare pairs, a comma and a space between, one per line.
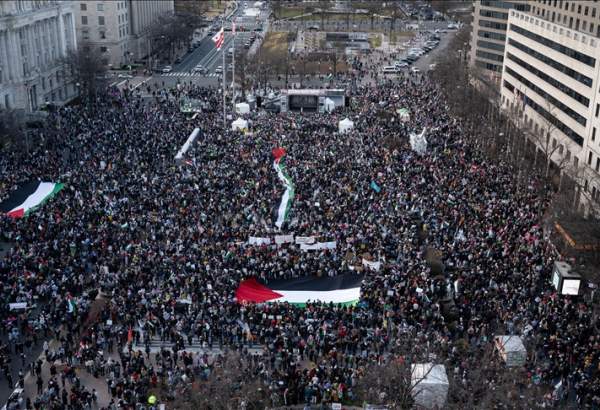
224, 71
233, 69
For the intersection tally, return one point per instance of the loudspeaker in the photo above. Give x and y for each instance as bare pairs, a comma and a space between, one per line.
347, 102
258, 101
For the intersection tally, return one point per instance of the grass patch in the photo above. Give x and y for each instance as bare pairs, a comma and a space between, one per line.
375, 41
398, 37
275, 44
289, 12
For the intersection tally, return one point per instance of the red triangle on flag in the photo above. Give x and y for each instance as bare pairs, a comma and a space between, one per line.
18, 213
278, 152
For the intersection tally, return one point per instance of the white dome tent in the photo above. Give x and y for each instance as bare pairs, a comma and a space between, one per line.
345, 125
328, 105
239, 124
429, 385
242, 108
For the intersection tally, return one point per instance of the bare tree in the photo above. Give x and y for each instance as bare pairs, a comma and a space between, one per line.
172, 31
241, 70
373, 9
10, 130
482, 381
233, 383
388, 384
86, 68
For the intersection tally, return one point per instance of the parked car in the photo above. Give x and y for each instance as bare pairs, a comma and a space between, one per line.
399, 64
124, 75
390, 69
167, 69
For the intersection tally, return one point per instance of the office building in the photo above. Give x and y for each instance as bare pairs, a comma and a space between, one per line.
551, 77
488, 37
35, 39
119, 30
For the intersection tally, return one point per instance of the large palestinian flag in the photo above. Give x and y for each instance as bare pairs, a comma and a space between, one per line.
27, 197
340, 289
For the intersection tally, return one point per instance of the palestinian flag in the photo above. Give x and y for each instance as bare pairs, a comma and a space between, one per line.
283, 209
341, 289
71, 305
28, 197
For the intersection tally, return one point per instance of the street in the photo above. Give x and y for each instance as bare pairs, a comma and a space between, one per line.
207, 55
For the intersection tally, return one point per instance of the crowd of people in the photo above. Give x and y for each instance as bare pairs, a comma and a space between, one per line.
166, 245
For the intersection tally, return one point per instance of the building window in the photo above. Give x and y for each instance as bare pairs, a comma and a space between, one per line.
103, 49
575, 162
574, 54
552, 81
100, 20
84, 20
100, 7
103, 35
593, 133
568, 156
597, 164
590, 158
83, 7
552, 63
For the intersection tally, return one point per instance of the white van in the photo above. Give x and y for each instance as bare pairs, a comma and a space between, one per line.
390, 69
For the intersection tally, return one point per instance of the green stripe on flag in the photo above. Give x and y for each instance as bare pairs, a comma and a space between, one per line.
57, 188
288, 196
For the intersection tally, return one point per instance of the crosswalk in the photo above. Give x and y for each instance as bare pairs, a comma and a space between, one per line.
184, 74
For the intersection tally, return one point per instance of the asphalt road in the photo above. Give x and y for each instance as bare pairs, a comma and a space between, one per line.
206, 53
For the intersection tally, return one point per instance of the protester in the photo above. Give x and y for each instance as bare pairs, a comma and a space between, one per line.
166, 243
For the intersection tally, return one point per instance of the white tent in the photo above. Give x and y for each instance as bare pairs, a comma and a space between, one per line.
429, 384
242, 108
511, 349
329, 105
239, 124
345, 125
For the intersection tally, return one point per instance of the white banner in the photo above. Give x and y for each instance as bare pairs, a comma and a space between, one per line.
253, 240
305, 239
17, 306
372, 265
281, 239
318, 246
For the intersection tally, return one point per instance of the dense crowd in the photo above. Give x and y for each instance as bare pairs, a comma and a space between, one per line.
166, 243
